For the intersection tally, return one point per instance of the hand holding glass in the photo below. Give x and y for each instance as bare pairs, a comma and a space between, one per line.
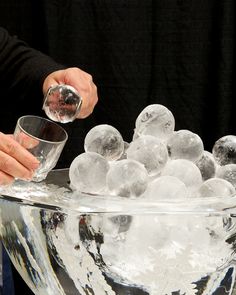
44, 139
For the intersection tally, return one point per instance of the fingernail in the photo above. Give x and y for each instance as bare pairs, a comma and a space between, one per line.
35, 165
29, 175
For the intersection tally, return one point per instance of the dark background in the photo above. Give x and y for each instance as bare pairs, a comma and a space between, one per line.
179, 53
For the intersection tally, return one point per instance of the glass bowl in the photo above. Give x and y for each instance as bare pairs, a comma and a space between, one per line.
69, 243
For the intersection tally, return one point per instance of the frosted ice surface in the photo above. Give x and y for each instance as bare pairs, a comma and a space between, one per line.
155, 120
207, 165
124, 154
184, 144
127, 178
184, 170
216, 187
104, 140
166, 188
224, 150
150, 151
88, 173
154, 246
227, 172
132, 257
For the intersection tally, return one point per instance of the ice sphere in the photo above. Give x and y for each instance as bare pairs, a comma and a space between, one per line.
207, 165
224, 150
166, 187
104, 140
227, 172
155, 120
62, 103
122, 222
215, 187
127, 178
184, 144
88, 172
134, 255
184, 170
150, 151
124, 154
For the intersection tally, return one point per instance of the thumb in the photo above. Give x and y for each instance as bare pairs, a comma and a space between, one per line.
54, 78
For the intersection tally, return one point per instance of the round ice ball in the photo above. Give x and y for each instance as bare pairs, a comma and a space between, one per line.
150, 151
184, 170
127, 178
155, 120
207, 165
166, 188
124, 154
215, 187
88, 172
224, 150
227, 172
104, 140
184, 144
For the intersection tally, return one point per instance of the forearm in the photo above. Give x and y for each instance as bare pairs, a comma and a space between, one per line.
23, 69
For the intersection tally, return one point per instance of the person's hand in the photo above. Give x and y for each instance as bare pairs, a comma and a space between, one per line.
81, 81
15, 160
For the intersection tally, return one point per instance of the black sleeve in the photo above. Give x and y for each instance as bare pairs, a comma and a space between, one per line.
22, 69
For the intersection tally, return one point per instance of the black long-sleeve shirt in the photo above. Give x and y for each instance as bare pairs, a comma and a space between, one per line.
21, 66
22, 72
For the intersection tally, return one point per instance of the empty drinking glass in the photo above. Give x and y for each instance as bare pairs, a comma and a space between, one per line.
44, 139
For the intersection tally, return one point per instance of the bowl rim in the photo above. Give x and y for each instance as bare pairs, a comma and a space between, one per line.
40, 195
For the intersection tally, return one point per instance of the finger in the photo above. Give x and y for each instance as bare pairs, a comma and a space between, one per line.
5, 178
27, 141
11, 147
88, 103
83, 83
13, 168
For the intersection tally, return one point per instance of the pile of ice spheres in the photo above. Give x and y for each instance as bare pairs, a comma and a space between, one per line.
160, 253
159, 163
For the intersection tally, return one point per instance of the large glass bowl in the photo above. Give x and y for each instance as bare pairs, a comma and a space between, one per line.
70, 243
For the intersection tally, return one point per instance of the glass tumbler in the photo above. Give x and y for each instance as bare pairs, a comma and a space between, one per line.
44, 139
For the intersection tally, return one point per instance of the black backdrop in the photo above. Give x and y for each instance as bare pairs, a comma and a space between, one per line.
180, 53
